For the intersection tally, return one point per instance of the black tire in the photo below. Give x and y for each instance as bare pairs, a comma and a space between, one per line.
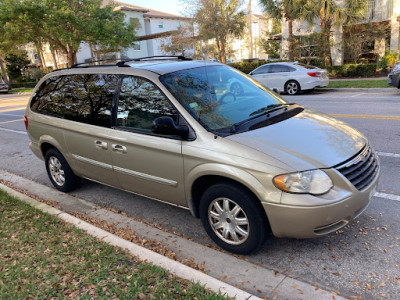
251, 210
66, 180
292, 87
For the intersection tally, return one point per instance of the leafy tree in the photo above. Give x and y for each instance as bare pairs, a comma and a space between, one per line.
290, 10
330, 13
16, 62
272, 47
65, 24
180, 40
219, 20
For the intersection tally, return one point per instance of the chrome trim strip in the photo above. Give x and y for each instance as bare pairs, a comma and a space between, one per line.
92, 162
357, 159
146, 176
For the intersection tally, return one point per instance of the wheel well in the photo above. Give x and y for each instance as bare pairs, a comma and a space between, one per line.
46, 147
292, 80
203, 183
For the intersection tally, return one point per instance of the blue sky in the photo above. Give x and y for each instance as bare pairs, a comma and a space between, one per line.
171, 6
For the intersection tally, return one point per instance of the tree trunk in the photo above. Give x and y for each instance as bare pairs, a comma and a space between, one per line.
223, 52
290, 39
71, 56
4, 72
219, 50
250, 30
53, 54
38, 46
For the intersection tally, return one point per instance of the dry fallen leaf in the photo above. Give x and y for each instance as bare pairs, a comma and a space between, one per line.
336, 273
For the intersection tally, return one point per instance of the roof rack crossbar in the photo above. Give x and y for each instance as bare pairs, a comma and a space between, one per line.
180, 57
121, 62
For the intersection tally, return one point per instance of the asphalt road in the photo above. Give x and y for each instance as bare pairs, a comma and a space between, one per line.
363, 259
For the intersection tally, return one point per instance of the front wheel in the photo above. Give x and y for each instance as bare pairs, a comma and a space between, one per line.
292, 87
59, 171
233, 218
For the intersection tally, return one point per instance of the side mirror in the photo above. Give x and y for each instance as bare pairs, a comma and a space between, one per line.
276, 91
166, 125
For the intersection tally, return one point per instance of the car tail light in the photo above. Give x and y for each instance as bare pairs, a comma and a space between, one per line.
26, 122
314, 74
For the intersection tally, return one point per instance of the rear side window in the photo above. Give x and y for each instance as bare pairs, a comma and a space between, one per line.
83, 98
280, 68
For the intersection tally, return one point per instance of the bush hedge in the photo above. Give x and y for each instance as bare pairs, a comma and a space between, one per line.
352, 70
347, 70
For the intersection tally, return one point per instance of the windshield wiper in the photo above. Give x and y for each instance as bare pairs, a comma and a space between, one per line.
258, 113
268, 108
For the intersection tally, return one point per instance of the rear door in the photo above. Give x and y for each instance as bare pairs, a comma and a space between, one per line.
146, 163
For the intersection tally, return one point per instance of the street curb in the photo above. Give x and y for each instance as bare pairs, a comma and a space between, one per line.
355, 90
174, 267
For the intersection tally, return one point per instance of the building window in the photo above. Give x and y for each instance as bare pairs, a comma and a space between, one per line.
136, 46
160, 25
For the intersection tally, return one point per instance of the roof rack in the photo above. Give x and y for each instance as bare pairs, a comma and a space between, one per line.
180, 57
121, 62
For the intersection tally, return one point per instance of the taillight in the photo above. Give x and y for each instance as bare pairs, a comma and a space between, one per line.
314, 74
26, 122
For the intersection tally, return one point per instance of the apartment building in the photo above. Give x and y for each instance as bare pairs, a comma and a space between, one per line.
153, 27
384, 13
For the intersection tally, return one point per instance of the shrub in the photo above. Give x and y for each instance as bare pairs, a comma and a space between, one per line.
352, 70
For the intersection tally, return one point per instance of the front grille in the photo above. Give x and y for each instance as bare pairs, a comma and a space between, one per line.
361, 170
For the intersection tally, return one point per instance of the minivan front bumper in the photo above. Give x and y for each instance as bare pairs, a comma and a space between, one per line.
314, 221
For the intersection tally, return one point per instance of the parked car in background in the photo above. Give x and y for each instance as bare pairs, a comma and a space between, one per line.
289, 77
394, 76
4, 88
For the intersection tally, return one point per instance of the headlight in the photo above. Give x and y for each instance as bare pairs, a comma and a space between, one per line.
314, 182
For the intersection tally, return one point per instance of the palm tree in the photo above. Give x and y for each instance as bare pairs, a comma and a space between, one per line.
290, 10
331, 13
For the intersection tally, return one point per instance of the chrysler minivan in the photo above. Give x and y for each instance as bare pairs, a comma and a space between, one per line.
248, 164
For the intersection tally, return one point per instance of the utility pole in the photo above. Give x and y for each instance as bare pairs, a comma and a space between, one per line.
250, 29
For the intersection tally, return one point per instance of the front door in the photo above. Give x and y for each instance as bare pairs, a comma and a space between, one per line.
146, 163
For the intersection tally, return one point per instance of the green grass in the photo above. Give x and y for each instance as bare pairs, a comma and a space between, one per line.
363, 83
21, 90
42, 257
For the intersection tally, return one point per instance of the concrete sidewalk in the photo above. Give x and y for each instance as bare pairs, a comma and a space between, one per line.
224, 270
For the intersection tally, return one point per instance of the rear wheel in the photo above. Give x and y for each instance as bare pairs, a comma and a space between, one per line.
233, 218
59, 171
292, 87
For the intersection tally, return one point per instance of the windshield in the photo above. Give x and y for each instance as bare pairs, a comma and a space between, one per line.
220, 96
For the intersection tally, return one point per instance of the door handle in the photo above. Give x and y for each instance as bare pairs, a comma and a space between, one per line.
118, 148
101, 144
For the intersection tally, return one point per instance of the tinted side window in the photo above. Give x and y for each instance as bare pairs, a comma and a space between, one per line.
280, 68
83, 98
262, 70
140, 102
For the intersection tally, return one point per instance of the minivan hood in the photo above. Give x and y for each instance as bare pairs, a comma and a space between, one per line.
308, 140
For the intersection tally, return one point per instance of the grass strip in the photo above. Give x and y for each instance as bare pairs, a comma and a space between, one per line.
43, 257
21, 90
365, 83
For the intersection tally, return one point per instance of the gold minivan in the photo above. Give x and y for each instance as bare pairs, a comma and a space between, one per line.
207, 137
